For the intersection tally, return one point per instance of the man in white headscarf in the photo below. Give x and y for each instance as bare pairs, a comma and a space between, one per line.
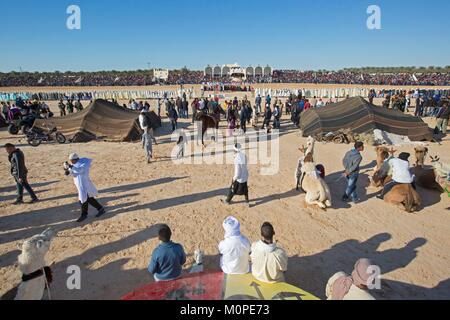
235, 249
354, 287
79, 170
239, 186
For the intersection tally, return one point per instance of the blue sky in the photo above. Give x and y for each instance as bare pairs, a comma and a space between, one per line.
299, 34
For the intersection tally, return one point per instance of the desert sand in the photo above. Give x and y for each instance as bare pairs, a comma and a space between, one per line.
113, 251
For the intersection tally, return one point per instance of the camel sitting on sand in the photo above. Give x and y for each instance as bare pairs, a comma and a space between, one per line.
404, 195
317, 191
435, 177
35, 275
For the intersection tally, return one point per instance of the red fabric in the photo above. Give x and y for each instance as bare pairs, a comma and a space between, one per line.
321, 169
199, 286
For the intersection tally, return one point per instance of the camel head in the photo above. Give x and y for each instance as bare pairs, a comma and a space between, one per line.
310, 141
35, 249
380, 149
382, 153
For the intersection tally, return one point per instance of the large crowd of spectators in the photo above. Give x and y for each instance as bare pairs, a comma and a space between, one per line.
346, 77
180, 77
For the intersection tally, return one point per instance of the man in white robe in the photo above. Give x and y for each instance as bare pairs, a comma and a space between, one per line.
235, 249
240, 180
79, 170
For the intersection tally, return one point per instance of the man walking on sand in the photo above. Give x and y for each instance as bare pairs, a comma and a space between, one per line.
351, 163
19, 172
239, 186
79, 170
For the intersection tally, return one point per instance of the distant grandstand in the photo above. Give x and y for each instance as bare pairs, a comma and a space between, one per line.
410, 76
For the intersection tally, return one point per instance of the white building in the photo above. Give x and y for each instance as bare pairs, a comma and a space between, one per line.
160, 74
238, 72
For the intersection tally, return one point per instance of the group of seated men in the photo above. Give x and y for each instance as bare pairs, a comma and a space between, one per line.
265, 259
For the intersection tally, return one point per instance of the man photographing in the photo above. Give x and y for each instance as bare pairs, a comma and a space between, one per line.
79, 170
19, 172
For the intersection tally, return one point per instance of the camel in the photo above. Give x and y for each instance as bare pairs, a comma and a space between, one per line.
427, 177
35, 275
404, 195
310, 144
382, 155
307, 151
382, 171
421, 153
400, 195
317, 191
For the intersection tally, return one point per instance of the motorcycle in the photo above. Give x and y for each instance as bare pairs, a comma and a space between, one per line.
36, 136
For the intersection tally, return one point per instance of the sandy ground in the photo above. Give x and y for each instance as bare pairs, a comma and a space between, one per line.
113, 251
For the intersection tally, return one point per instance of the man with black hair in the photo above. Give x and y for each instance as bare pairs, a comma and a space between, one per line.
79, 106
267, 118
443, 117
168, 258
352, 161
70, 106
269, 261
173, 117
62, 108
19, 172
258, 102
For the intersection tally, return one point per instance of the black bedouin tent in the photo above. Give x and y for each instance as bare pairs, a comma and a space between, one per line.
360, 116
100, 120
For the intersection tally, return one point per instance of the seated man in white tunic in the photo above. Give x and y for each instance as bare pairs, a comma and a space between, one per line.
354, 287
401, 173
235, 249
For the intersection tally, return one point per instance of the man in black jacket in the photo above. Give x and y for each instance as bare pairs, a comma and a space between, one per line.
267, 118
443, 117
19, 171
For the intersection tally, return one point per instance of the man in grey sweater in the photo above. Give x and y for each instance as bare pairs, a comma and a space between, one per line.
351, 162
